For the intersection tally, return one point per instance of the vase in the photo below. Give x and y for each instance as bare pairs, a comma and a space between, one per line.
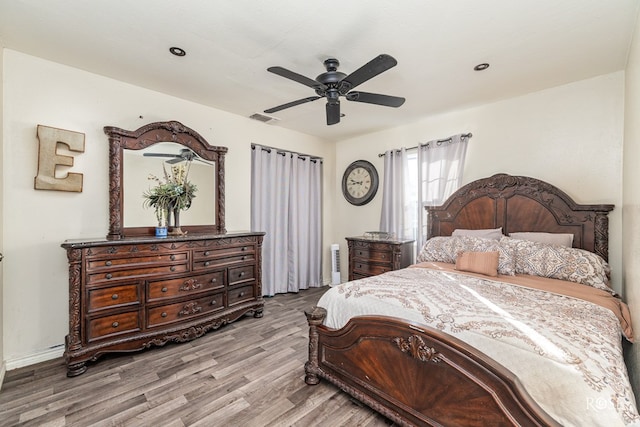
161, 232
176, 230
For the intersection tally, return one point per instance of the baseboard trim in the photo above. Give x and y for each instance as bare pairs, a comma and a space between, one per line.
32, 359
3, 370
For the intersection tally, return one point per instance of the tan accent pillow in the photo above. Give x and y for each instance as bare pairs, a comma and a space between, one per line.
478, 262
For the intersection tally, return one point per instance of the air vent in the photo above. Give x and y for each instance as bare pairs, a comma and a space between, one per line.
263, 118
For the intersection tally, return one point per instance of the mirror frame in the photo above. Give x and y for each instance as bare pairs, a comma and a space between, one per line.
152, 133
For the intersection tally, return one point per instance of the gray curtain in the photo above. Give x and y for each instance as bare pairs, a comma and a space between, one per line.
440, 167
396, 215
286, 203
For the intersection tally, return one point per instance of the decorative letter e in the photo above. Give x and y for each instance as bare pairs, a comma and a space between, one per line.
48, 159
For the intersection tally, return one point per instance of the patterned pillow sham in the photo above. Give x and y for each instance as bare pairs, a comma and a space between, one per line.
490, 233
562, 239
560, 262
446, 249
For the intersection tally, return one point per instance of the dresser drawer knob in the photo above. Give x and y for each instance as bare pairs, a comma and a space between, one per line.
164, 289
108, 263
163, 314
108, 276
214, 280
172, 257
114, 296
115, 324
244, 257
206, 253
244, 248
241, 294
206, 263
241, 274
383, 256
213, 302
172, 268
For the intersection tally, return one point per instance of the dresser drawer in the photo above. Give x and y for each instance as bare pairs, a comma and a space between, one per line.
223, 252
209, 263
179, 312
370, 269
241, 274
115, 274
117, 324
241, 294
136, 261
172, 288
113, 296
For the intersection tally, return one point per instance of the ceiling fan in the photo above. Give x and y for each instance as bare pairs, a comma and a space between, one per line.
185, 155
333, 84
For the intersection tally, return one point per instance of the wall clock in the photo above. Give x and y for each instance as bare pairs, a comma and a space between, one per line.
360, 182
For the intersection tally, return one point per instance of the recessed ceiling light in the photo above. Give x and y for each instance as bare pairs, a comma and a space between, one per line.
177, 51
481, 67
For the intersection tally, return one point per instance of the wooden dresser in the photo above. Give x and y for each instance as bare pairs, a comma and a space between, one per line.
370, 257
135, 293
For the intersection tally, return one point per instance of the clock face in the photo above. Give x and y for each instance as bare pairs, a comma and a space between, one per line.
360, 182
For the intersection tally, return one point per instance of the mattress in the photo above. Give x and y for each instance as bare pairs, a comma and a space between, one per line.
561, 339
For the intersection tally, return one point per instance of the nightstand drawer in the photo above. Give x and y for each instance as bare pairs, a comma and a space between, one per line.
370, 269
375, 256
369, 257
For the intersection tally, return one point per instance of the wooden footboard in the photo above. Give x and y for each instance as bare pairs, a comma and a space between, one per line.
415, 375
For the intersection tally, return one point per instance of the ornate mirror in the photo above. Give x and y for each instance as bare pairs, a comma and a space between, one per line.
152, 150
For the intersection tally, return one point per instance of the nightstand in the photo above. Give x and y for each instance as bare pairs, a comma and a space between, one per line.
370, 257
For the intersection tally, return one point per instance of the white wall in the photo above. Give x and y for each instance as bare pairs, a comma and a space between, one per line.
569, 136
37, 222
3, 366
631, 204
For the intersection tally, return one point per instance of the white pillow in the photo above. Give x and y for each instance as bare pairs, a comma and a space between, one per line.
488, 233
561, 239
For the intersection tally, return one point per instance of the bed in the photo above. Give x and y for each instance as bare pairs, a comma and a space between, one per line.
445, 342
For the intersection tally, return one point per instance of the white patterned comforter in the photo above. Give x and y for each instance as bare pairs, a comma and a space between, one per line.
566, 352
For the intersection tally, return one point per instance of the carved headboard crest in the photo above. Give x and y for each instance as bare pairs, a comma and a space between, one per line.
521, 204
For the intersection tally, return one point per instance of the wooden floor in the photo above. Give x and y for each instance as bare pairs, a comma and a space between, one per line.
248, 373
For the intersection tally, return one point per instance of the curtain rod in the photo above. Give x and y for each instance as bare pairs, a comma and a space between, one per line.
284, 153
467, 135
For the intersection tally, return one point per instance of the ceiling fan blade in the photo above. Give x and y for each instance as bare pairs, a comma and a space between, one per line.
160, 155
291, 104
375, 98
174, 161
333, 112
203, 161
283, 72
377, 65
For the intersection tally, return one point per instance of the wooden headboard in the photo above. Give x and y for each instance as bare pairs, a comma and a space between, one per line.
520, 203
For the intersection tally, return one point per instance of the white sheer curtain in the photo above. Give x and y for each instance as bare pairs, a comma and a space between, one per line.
440, 167
396, 214
286, 203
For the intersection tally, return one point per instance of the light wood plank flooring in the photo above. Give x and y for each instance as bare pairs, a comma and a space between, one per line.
248, 373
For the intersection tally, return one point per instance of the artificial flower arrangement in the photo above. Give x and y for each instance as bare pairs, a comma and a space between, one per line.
171, 194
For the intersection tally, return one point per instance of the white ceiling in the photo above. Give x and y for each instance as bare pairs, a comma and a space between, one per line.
530, 44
